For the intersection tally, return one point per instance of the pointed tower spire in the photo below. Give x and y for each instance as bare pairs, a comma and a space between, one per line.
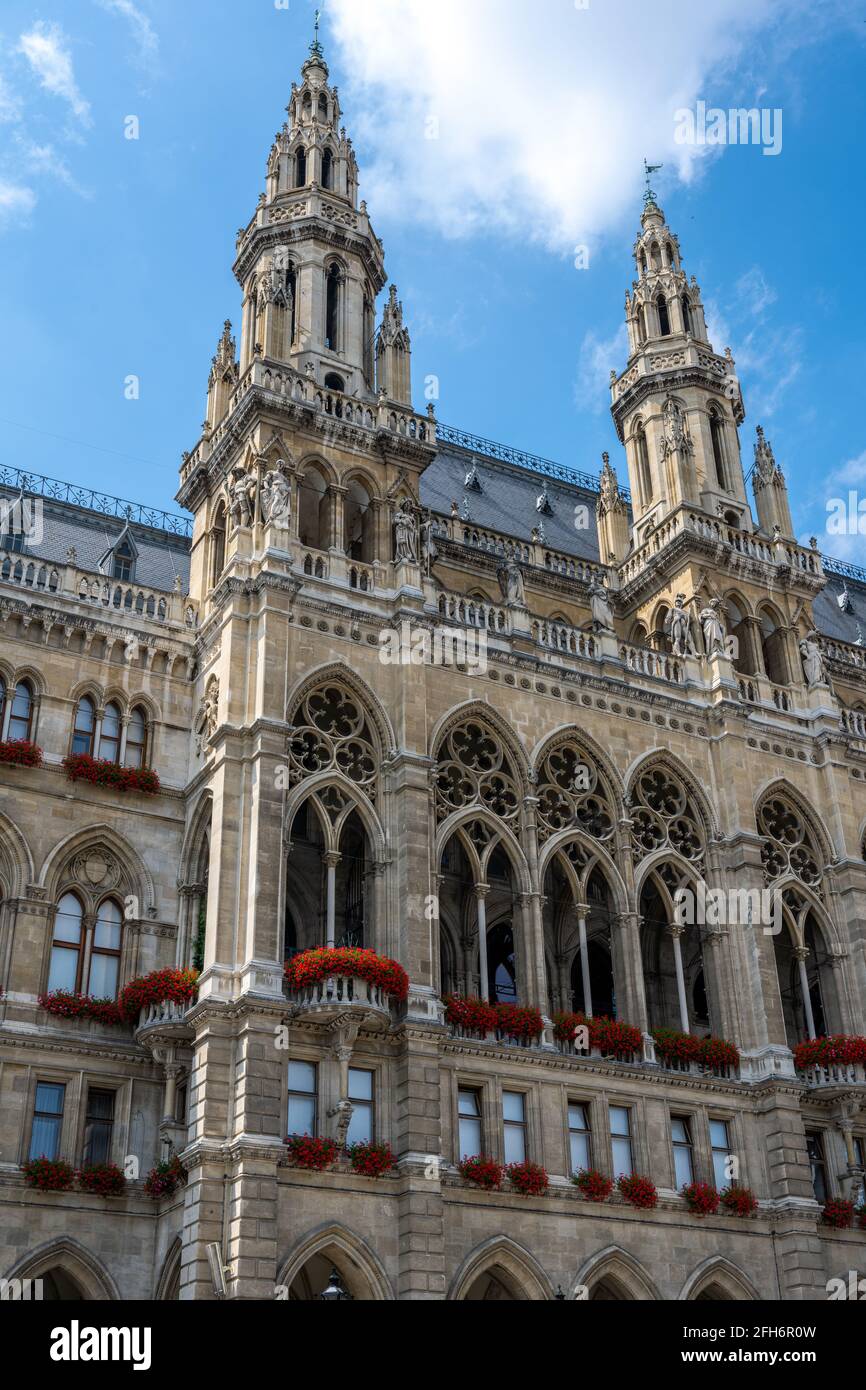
223, 377
771, 491
611, 517
394, 353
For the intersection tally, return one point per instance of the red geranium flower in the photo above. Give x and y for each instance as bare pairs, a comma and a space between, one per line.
483, 1172
18, 752
80, 767
702, 1198
640, 1192
822, 1052
314, 1154
163, 1180
530, 1179
371, 1160
103, 1179
739, 1201
838, 1214
49, 1175
312, 967
593, 1184
175, 986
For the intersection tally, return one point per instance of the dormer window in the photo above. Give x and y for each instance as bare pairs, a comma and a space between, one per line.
123, 563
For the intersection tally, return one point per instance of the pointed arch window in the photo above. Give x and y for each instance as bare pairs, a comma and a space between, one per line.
218, 551
123, 562
328, 169
136, 739
717, 435
687, 314
84, 729
643, 464
104, 974
21, 713
67, 947
109, 734
664, 316
332, 309
301, 169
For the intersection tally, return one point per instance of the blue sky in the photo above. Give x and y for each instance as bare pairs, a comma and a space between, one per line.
115, 255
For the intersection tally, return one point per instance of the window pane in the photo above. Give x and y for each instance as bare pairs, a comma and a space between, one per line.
19, 723
302, 1077
513, 1106
619, 1120
720, 1177
98, 1131
470, 1138
361, 1125
360, 1085
109, 740
680, 1132
302, 1115
719, 1135
67, 922
49, 1098
579, 1152
63, 973
577, 1118
515, 1144
47, 1121
468, 1103
622, 1160
103, 976
683, 1166
109, 923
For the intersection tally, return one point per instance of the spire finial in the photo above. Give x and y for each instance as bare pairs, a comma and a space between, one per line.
316, 50
650, 169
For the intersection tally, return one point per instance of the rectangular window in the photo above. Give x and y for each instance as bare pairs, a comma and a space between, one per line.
47, 1120
620, 1140
579, 1137
514, 1126
99, 1127
684, 1168
469, 1113
720, 1139
303, 1090
818, 1164
361, 1125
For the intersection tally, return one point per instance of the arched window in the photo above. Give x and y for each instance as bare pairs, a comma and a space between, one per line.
136, 739
123, 562
717, 434
501, 966
773, 649
314, 519
21, 712
67, 945
664, 316
687, 314
333, 382
218, 543
327, 169
109, 736
643, 464
301, 169
105, 952
739, 628
84, 728
359, 530
332, 309
323, 106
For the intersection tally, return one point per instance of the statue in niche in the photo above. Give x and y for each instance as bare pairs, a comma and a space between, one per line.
813, 661
678, 629
602, 612
277, 498
713, 628
405, 536
510, 577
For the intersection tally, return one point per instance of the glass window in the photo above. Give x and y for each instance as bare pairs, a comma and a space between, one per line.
99, 1126
860, 1160
109, 738
470, 1137
105, 955
21, 716
136, 738
303, 1093
47, 1120
684, 1169
361, 1126
620, 1137
579, 1138
720, 1139
818, 1163
85, 727
123, 562
514, 1125
66, 946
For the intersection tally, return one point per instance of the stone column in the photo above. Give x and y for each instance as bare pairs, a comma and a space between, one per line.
582, 911
801, 955
676, 933
481, 891
628, 970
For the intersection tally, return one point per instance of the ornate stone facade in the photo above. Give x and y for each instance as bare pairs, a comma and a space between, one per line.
500, 756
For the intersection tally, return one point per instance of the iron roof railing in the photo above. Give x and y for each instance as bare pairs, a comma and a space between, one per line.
18, 480
844, 568
475, 444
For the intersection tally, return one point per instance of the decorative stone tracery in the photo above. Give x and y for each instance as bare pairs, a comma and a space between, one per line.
664, 816
790, 846
331, 732
573, 795
474, 770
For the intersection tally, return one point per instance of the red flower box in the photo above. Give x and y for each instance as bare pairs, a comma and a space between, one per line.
682, 1048
739, 1201
822, 1052
174, 986
80, 767
639, 1192
482, 1172
477, 1016
516, 1022
610, 1037
838, 1214
593, 1184
371, 1160
49, 1175
102, 1179
701, 1198
20, 753
312, 967
529, 1179
62, 1004
314, 1154
165, 1178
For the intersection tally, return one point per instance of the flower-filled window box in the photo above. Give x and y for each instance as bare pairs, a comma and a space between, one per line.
482, 1172
529, 1179
62, 1004
522, 1024
593, 1184
679, 1050
639, 1192
19, 752
838, 1214
739, 1201
477, 1016
313, 967
701, 1198
102, 1179
49, 1175
165, 1178
371, 1160
823, 1052
160, 987
311, 1152
608, 1036
81, 767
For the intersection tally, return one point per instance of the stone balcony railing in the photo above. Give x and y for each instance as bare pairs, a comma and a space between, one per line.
758, 691
650, 1058
846, 653
834, 1076
339, 996
691, 353
643, 661
100, 592
163, 1022
854, 723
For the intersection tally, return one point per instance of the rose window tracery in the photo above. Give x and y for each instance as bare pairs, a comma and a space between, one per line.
789, 846
473, 769
572, 795
663, 815
331, 731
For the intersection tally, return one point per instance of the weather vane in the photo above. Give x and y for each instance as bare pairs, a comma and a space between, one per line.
649, 196
315, 46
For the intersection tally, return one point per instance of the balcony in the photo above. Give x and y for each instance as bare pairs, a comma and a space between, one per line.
342, 996
163, 1023
835, 1079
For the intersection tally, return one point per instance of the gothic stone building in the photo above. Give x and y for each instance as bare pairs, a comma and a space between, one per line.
407, 688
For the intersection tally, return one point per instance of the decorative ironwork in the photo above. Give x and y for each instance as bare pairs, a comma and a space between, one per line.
17, 480
474, 444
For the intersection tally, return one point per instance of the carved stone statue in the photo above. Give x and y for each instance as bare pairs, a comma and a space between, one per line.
675, 436
678, 628
242, 497
713, 627
405, 536
813, 661
602, 613
277, 499
510, 577
208, 715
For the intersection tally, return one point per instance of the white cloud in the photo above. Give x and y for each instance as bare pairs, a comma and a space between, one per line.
46, 50
846, 485
545, 112
10, 108
146, 37
16, 202
598, 358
